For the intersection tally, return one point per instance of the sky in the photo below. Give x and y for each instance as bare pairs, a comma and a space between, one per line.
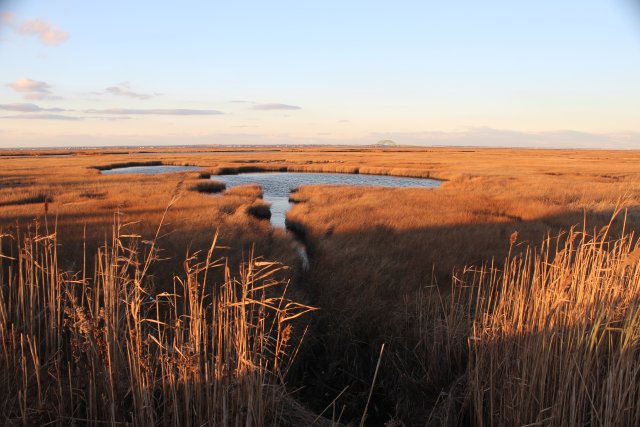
493, 73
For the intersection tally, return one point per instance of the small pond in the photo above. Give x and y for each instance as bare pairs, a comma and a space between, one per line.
276, 186
149, 170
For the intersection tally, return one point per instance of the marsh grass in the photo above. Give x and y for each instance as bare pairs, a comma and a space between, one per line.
381, 270
209, 187
128, 165
260, 210
548, 336
32, 200
248, 191
109, 349
556, 335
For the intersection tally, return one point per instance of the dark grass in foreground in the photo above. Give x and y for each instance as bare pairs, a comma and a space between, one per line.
552, 338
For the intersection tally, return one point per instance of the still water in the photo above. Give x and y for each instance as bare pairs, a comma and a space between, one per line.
276, 186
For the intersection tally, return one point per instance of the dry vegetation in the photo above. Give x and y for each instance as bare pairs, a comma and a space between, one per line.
81, 204
556, 334
549, 336
109, 349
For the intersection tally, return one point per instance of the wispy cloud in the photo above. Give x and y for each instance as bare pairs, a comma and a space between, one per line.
29, 85
159, 112
123, 89
44, 31
7, 18
111, 118
104, 114
33, 89
266, 107
29, 108
43, 117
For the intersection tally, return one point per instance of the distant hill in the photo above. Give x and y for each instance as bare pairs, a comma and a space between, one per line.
385, 143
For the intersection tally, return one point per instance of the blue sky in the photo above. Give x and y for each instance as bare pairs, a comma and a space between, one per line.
537, 73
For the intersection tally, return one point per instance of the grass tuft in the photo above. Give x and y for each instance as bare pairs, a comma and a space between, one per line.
209, 187
128, 164
260, 210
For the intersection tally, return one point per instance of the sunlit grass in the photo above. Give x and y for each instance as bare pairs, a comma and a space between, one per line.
545, 334
108, 348
556, 335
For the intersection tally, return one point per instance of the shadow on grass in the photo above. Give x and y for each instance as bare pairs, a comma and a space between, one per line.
209, 187
40, 198
377, 285
380, 285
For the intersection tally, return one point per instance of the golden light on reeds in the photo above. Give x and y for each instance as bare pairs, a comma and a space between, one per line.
107, 348
169, 332
556, 337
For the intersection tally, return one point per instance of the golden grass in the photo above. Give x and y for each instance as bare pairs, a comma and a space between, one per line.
81, 204
247, 191
382, 260
556, 335
375, 253
108, 349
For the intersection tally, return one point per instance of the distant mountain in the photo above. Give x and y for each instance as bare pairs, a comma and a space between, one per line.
385, 143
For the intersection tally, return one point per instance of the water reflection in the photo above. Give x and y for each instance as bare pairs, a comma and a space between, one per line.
276, 186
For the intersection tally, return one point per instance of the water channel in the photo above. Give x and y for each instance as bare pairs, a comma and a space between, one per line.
277, 186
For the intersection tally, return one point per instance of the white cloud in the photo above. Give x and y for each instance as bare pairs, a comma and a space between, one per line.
7, 18
266, 107
123, 89
29, 85
43, 116
33, 89
28, 108
44, 31
104, 114
158, 111
112, 118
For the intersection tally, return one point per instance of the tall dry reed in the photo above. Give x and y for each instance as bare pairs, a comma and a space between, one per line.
103, 348
556, 335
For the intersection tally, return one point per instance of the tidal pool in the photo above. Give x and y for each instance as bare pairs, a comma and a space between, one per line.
276, 186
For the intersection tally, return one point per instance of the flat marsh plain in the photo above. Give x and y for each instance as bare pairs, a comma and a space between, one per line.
510, 295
